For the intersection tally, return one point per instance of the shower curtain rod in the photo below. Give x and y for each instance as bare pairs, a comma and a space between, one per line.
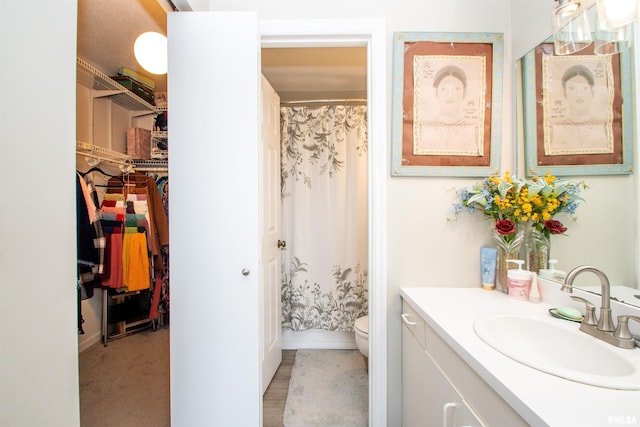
324, 101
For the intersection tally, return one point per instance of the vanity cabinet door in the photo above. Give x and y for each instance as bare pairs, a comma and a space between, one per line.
428, 398
416, 408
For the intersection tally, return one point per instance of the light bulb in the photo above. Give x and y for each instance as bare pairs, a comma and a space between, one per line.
616, 13
150, 50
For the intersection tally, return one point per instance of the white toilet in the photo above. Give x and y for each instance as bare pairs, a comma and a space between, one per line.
361, 328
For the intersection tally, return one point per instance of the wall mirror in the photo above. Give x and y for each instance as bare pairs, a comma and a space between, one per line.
605, 231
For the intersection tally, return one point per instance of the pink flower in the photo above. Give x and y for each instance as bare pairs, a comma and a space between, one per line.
555, 227
505, 226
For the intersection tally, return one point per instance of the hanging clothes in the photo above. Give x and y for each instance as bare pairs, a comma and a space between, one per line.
87, 254
161, 299
141, 184
144, 212
136, 275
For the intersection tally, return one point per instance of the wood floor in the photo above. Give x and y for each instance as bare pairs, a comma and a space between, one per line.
275, 397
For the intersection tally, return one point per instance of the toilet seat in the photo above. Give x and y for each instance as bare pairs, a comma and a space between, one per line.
361, 326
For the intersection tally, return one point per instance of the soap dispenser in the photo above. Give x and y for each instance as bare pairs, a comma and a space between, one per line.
519, 281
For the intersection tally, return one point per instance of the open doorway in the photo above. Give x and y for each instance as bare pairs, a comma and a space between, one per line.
323, 99
324, 193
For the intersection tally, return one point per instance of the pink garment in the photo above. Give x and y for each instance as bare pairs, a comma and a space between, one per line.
155, 300
108, 209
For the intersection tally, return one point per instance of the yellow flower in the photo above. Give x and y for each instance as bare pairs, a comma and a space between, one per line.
511, 198
549, 179
507, 177
537, 200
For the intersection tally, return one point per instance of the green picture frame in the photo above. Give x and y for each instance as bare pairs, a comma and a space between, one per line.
542, 93
429, 136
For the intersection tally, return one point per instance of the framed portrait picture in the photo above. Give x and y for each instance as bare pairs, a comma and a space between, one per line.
447, 98
577, 113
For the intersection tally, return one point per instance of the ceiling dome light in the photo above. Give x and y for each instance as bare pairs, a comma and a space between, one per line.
150, 50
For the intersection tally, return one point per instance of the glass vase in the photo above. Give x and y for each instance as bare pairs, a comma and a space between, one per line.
536, 249
508, 247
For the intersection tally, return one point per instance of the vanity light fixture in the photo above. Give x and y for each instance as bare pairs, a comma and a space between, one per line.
614, 40
150, 50
615, 22
616, 13
571, 29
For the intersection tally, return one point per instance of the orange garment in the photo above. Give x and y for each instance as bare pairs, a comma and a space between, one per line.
135, 262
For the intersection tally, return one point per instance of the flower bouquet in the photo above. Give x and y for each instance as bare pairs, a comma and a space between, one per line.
522, 210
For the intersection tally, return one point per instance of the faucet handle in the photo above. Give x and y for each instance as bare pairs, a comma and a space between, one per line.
622, 330
590, 315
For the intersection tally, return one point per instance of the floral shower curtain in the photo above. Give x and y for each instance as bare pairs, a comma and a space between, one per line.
324, 208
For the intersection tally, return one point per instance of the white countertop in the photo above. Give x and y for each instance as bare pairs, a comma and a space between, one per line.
540, 398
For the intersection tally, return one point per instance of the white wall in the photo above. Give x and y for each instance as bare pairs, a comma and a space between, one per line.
38, 349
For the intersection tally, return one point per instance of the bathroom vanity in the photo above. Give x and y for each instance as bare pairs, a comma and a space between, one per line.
451, 377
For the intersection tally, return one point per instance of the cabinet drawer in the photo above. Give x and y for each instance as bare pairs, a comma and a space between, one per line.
413, 322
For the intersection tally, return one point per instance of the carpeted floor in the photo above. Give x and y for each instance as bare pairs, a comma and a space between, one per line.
126, 384
328, 388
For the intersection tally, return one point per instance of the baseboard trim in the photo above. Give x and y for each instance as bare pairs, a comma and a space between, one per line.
88, 341
316, 338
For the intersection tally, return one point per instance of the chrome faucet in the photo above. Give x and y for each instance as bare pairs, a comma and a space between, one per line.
603, 327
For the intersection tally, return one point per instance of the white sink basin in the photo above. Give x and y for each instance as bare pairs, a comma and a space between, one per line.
557, 347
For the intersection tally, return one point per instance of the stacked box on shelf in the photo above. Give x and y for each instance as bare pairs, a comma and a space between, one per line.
137, 88
139, 143
140, 78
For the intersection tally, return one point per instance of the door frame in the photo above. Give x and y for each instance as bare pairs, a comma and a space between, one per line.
370, 33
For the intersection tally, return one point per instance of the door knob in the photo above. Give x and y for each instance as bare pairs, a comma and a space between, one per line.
282, 244
245, 272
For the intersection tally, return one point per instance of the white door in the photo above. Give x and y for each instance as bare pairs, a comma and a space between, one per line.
213, 96
271, 259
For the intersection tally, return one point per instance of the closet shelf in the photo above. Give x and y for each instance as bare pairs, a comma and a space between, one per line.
104, 86
101, 153
159, 165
